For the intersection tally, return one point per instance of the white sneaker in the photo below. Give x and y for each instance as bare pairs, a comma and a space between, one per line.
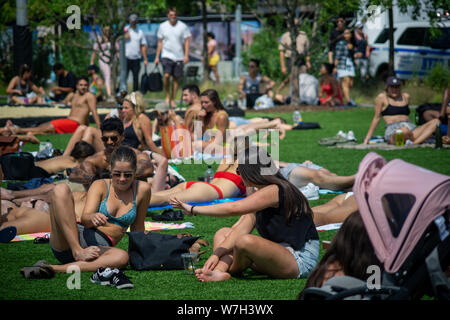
351, 136
310, 191
341, 134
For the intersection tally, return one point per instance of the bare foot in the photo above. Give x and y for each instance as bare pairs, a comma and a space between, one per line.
87, 254
32, 138
212, 276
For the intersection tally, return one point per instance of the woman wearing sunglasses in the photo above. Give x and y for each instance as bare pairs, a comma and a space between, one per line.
288, 247
112, 206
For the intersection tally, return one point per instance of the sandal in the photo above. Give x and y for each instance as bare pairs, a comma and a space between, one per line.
40, 270
7, 234
44, 239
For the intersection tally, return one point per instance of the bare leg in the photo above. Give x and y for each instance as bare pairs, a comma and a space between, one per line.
262, 255
166, 82
174, 92
44, 128
420, 134
76, 136
93, 136
64, 226
28, 220
301, 176
42, 190
198, 192
334, 211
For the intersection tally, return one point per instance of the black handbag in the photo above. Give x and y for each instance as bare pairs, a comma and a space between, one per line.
145, 81
157, 251
155, 82
20, 166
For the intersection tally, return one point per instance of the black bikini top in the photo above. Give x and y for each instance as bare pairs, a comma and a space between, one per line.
395, 110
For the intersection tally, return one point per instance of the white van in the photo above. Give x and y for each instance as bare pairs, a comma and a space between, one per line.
415, 51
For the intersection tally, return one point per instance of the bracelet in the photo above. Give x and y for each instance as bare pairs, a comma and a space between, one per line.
192, 211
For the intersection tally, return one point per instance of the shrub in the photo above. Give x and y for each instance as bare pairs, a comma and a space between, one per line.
438, 77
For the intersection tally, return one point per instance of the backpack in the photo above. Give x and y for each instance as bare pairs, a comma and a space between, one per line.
155, 82
20, 166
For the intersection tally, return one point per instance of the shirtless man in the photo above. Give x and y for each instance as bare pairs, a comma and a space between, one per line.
191, 97
97, 165
83, 102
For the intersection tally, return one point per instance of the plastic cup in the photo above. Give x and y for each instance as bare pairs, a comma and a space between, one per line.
189, 260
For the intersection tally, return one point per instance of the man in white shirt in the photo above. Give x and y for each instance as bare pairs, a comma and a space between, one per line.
173, 45
135, 49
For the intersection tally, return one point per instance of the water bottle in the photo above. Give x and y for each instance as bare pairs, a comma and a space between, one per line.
209, 174
399, 138
438, 137
297, 117
45, 150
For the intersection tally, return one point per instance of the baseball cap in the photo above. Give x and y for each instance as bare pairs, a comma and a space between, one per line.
162, 107
359, 25
133, 17
393, 81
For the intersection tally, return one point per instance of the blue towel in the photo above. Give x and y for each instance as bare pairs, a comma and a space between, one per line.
207, 203
30, 184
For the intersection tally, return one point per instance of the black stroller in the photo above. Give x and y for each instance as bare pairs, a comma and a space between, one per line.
406, 212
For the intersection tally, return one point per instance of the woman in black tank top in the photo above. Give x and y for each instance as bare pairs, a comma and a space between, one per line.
393, 107
288, 245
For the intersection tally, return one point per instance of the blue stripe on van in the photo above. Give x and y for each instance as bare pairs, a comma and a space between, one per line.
420, 73
436, 52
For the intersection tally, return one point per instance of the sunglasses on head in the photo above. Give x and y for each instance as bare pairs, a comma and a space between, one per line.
117, 174
113, 138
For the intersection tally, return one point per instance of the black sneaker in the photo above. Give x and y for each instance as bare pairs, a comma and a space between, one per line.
103, 276
121, 281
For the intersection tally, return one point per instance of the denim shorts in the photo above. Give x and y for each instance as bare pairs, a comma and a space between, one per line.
286, 171
392, 127
306, 258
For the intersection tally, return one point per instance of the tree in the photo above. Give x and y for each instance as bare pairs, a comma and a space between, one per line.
114, 14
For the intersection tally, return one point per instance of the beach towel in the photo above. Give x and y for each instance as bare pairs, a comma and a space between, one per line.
384, 146
149, 226
206, 203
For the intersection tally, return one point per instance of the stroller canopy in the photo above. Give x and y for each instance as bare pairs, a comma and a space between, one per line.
397, 202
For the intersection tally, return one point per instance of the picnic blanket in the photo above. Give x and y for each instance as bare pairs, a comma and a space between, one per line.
149, 226
382, 146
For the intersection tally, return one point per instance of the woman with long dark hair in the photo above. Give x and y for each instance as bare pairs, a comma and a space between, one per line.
350, 253
213, 117
289, 244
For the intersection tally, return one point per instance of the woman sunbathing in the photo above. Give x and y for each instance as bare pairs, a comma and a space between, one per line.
226, 183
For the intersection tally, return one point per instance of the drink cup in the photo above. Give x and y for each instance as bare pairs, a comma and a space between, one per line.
189, 260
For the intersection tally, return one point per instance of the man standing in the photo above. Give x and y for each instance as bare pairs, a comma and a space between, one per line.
286, 56
135, 50
83, 102
173, 45
191, 97
362, 52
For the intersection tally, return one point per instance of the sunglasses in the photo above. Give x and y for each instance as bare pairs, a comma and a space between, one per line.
113, 138
127, 175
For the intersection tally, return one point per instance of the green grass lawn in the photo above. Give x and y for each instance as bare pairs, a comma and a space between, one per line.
299, 145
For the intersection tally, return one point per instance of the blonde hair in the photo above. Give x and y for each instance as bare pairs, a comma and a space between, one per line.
137, 100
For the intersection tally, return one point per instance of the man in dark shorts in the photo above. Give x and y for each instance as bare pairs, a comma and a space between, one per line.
66, 83
173, 45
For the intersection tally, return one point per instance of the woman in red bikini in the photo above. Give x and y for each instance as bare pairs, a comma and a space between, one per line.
330, 87
226, 183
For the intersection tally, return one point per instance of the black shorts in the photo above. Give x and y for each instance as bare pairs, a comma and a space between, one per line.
88, 237
174, 68
301, 62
